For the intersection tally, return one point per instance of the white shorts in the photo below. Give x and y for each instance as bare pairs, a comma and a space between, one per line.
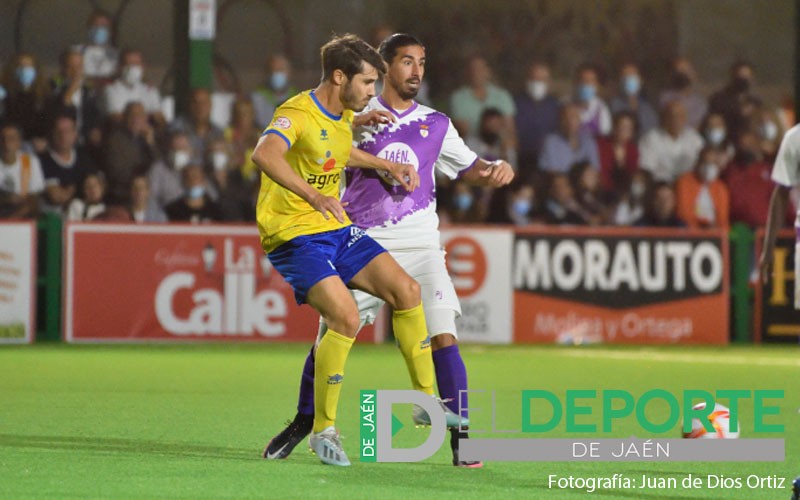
439, 299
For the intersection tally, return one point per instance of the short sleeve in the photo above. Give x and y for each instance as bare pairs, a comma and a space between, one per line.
288, 124
455, 155
787, 162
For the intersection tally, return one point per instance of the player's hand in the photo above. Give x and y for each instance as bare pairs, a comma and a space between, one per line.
404, 173
372, 118
328, 204
765, 266
498, 174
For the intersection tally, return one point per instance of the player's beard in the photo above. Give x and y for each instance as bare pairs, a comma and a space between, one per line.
406, 93
350, 100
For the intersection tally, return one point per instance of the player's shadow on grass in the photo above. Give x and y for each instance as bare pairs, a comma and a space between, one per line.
120, 445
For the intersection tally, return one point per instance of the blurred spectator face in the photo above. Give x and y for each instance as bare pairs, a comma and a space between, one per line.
132, 70
491, 127
624, 129
538, 81
478, 72
65, 135
561, 189
200, 106
522, 200
25, 72
570, 120
242, 114
218, 156
630, 80
674, 118
767, 125
140, 191
10, 143
664, 202
194, 182
716, 131
180, 151
135, 118
742, 77
748, 148
708, 165
72, 66
589, 179
93, 189
99, 29
638, 186
462, 197
279, 72
587, 84
682, 73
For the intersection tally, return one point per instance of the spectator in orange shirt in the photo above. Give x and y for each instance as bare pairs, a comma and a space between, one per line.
703, 200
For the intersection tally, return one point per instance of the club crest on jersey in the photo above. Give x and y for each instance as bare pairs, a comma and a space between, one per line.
323, 135
423, 131
282, 122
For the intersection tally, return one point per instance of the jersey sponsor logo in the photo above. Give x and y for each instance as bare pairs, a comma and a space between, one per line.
321, 180
397, 152
356, 233
335, 379
282, 122
323, 135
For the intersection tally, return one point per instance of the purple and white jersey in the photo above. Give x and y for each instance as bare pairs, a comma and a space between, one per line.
420, 136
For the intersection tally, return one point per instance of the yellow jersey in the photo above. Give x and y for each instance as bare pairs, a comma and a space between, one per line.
319, 147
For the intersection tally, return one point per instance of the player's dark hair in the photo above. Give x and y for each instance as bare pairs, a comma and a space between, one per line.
348, 54
392, 43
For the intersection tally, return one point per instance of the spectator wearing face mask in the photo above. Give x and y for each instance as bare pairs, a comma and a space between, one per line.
631, 98
99, 55
197, 124
732, 100
702, 198
631, 205
749, 176
165, 174
594, 112
130, 86
493, 141
234, 193
682, 89
520, 207
537, 116
769, 131
195, 205
715, 134
27, 95
275, 91
465, 205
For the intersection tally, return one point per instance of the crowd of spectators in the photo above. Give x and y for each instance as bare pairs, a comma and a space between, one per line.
92, 142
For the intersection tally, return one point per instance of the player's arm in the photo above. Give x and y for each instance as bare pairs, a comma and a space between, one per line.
270, 156
490, 173
777, 212
372, 118
403, 173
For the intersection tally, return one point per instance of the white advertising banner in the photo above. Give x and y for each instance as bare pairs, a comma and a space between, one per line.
479, 262
17, 285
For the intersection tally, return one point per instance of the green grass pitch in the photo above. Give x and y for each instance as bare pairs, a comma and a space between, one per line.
190, 421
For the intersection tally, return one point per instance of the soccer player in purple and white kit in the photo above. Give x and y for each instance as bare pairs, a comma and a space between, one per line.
394, 126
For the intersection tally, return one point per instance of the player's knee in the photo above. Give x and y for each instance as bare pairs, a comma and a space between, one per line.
344, 321
407, 294
443, 340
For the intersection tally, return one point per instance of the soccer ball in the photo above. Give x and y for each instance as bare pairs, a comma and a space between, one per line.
720, 420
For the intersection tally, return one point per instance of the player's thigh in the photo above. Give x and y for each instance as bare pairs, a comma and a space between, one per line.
384, 278
332, 300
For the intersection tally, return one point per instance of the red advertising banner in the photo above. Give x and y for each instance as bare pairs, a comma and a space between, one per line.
615, 285
177, 283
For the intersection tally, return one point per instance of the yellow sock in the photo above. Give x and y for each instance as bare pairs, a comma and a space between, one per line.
411, 333
331, 356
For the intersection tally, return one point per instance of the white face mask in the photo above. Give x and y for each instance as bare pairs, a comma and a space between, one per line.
537, 89
219, 159
180, 159
769, 131
637, 189
132, 74
710, 172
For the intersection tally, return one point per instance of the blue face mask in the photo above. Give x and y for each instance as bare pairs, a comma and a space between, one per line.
587, 92
521, 207
26, 75
463, 201
631, 85
278, 80
99, 35
715, 135
196, 192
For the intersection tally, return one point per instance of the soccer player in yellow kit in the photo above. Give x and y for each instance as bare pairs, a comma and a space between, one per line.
310, 240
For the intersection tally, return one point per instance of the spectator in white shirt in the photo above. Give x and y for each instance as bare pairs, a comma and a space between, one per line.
672, 148
21, 178
130, 86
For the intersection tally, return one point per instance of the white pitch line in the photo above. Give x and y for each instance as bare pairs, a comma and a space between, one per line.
682, 358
